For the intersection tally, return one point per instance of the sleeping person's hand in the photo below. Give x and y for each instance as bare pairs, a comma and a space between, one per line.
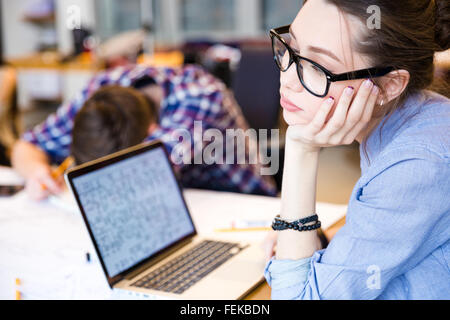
40, 183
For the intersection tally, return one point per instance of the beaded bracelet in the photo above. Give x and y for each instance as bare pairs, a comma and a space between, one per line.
298, 225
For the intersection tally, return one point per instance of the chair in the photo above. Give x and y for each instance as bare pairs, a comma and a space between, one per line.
256, 84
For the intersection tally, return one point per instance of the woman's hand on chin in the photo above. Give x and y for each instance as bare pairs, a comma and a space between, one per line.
348, 120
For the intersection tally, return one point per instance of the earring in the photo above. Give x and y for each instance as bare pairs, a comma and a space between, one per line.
381, 103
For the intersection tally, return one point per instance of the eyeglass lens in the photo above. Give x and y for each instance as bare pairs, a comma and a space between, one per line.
311, 76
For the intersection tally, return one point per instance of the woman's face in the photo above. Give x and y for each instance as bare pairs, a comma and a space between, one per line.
321, 34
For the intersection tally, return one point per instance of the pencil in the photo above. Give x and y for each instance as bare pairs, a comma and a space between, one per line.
58, 172
18, 293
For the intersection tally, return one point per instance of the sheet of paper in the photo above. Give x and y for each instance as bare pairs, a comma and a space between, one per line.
65, 201
46, 248
9, 177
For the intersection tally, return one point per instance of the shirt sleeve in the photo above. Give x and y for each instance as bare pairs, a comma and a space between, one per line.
286, 276
394, 220
54, 135
178, 126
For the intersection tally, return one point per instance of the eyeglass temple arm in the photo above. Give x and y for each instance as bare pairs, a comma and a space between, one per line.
359, 74
283, 29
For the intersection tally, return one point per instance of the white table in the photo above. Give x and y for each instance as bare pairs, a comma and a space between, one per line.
45, 244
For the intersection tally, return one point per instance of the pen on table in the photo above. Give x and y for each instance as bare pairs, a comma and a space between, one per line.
58, 172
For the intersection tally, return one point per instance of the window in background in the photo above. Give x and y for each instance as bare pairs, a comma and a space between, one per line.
116, 16
152, 11
175, 21
278, 13
208, 15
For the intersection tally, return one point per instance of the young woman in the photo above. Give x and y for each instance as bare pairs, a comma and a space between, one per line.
395, 243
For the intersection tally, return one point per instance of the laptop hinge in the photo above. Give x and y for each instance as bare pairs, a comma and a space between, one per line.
132, 274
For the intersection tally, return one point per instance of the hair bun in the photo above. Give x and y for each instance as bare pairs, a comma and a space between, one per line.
442, 27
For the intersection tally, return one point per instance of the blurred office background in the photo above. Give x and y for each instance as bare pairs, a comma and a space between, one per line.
50, 48
55, 45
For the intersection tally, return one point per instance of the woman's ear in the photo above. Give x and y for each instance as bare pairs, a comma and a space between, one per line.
394, 83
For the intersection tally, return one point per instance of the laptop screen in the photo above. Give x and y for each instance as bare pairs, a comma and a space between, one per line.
134, 209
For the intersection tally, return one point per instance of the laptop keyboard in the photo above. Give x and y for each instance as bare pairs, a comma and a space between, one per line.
181, 273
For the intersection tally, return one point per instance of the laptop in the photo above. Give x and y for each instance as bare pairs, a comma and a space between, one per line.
144, 235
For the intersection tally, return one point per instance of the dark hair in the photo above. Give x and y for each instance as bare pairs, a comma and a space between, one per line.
411, 32
112, 119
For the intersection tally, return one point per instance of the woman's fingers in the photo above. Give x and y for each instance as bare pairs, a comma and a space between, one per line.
347, 117
359, 104
337, 121
365, 118
319, 119
355, 114
367, 115
352, 114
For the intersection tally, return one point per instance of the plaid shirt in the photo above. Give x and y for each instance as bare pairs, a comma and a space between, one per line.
190, 94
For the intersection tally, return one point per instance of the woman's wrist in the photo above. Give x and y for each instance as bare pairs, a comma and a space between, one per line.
299, 145
299, 180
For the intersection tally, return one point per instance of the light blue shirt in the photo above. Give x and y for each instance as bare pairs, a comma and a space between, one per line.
396, 240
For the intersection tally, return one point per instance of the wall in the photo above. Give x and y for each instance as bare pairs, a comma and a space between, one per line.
19, 38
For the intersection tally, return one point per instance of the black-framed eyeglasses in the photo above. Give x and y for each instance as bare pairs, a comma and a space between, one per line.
315, 78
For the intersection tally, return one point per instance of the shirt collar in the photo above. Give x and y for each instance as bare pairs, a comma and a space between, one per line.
388, 128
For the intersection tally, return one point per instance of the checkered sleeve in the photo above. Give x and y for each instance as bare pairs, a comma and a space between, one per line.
54, 135
177, 130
